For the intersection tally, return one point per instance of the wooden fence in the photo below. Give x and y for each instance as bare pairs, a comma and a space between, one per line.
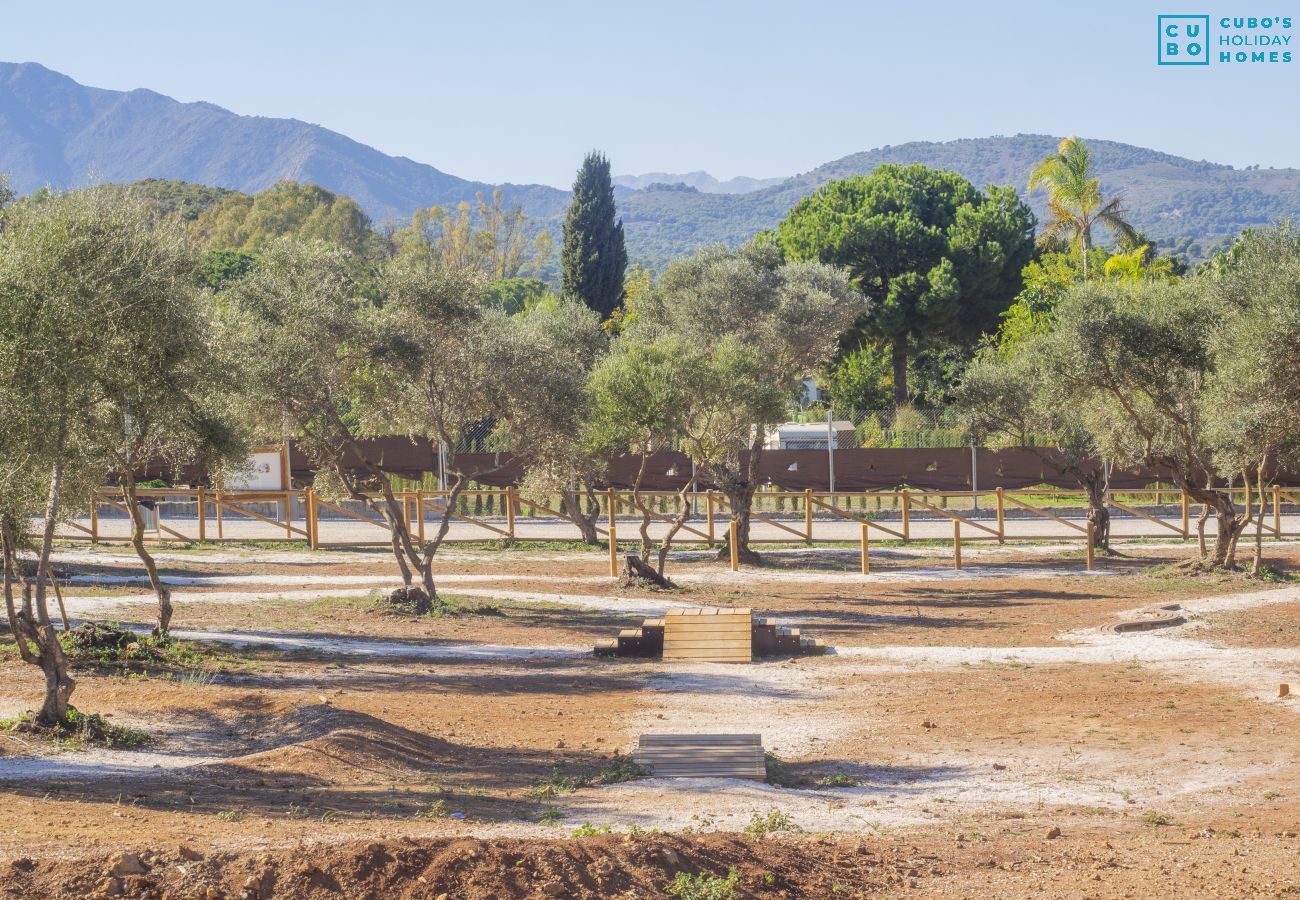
807, 517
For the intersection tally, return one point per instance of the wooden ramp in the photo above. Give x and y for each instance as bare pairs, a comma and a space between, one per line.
702, 755
709, 634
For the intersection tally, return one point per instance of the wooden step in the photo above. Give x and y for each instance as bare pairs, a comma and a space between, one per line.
709, 634
607, 647
702, 755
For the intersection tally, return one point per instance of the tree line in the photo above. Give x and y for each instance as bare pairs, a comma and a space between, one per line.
125, 338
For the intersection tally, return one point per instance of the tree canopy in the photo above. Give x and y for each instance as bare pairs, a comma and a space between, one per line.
938, 259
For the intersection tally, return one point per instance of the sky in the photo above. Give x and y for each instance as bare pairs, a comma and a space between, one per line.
520, 91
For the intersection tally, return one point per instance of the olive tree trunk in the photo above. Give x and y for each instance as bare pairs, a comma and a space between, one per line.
163, 593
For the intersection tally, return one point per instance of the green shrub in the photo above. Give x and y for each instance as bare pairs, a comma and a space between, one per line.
704, 886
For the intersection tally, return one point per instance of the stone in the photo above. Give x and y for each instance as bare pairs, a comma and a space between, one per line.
1053, 833
190, 853
553, 889
126, 863
670, 856
1284, 690
108, 887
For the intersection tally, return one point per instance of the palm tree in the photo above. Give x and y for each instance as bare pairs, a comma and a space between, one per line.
1074, 199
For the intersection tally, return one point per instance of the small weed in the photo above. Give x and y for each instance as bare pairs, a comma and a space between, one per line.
435, 810
230, 815
550, 816
774, 820
838, 779
1271, 795
1155, 818
704, 886
586, 829
621, 768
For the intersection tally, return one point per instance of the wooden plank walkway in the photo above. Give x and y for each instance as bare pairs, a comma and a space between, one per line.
702, 755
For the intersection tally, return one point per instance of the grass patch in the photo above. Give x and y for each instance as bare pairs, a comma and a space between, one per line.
1155, 818
565, 781
79, 731
704, 886
109, 646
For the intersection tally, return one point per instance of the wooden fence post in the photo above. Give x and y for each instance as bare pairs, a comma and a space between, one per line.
708, 503
94, 517
956, 543
907, 508
203, 517
1002, 511
866, 547
309, 501
1090, 553
221, 521
807, 513
288, 515
1277, 513
1186, 531
612, 501
510, 510
732, 544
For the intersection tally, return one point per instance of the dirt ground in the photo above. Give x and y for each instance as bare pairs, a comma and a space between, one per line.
976, 733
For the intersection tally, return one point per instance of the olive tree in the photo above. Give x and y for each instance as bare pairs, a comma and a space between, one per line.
1136, 361
170, 400
786, 317
1254, 394
1012, 400
639, 405
541, 359
312, 347
76, 272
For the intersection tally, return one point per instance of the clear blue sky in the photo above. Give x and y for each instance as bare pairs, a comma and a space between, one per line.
519, 91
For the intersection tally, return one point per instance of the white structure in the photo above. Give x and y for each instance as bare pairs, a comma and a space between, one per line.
809, 435
267, 469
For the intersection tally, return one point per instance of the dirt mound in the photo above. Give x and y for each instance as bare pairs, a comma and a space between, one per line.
475, 869
308, 738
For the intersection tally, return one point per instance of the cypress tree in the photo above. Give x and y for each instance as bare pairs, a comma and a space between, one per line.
593, 258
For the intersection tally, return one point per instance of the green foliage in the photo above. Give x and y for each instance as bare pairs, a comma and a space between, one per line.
703, 886
221, 267
593, 258
514, 295
772, 821
861, 378
80, 730
939, 259
779, 772
305, 211
184, 198
1075, 204
586, 829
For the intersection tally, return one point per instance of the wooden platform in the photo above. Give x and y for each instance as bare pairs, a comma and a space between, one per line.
709, 634
702, 755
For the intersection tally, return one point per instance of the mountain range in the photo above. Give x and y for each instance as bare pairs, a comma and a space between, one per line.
57, 132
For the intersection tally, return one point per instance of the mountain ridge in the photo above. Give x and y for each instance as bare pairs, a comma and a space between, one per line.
55, 131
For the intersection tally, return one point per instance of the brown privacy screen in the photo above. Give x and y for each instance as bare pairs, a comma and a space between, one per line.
936, 469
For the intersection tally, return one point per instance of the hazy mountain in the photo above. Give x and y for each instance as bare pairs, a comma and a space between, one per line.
55, 131
701, 181
1187, 206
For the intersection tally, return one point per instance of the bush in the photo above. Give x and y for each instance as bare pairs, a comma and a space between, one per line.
704, 886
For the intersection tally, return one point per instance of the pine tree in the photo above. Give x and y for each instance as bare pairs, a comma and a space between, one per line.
594, 258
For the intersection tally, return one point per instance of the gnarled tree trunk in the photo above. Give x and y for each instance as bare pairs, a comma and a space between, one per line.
163, 593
